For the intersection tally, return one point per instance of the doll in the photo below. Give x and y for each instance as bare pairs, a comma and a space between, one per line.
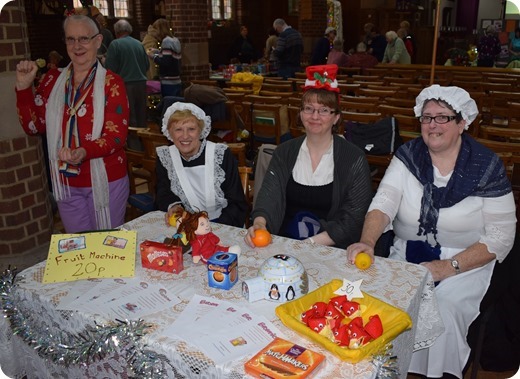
204, 243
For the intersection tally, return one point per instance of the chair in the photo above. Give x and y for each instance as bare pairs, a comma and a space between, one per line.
393, 110
379, 93
350, 71
140, 202
284, 95
152, 140
206, 82
349, 89
364, 118
245, 172
356, 106
401, 102
229, 124
359, 99
278, 87
239, 85
509, 152
238, 149
295, 123
265, 121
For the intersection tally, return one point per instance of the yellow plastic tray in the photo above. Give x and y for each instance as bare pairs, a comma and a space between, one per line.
394, 321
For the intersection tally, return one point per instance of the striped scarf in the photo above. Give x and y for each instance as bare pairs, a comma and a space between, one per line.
56, 140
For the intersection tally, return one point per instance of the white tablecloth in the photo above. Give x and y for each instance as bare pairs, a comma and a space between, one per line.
406, 286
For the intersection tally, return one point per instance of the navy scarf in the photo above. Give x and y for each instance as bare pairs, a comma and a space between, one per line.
478, 172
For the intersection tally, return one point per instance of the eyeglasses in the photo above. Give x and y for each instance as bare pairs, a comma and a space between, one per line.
440, 119
84, 40
321, 111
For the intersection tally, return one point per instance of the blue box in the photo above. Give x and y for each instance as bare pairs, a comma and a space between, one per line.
223, 270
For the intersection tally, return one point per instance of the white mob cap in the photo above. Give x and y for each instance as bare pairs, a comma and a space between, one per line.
195, 111
456, 97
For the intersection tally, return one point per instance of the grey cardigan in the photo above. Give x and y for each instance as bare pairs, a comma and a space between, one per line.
351, 191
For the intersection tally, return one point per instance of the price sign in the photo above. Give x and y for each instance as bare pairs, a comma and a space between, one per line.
351, 289
108, 254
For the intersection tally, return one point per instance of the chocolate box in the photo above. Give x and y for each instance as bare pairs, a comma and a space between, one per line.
162, 257
223, 270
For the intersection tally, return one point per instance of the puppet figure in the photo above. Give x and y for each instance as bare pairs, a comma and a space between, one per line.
204, 243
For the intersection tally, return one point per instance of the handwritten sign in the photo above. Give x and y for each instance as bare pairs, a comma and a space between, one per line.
109, 254
351, 289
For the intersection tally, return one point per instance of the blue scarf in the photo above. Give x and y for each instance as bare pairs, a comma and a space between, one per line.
478, 172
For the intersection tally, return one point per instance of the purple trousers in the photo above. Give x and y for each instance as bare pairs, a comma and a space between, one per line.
77, 211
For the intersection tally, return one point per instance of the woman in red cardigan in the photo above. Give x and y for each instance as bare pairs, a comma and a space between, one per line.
83, 111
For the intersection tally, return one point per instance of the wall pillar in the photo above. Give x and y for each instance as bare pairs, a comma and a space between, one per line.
25, 210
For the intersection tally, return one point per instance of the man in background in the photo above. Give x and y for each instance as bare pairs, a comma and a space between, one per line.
126, 56
289, 48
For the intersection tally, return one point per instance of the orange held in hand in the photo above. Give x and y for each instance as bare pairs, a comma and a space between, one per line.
262, 238
363, 261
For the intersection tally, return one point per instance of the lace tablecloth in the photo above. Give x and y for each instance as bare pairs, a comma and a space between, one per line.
406, 286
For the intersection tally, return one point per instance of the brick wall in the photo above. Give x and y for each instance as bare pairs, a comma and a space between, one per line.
189, 21
25, 211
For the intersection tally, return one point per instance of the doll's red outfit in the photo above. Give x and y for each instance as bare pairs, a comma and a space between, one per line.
206, 245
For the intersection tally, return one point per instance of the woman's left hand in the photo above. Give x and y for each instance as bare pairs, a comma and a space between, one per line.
72, 156
440, 269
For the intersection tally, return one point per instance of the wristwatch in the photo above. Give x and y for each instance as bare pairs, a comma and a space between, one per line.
455, 265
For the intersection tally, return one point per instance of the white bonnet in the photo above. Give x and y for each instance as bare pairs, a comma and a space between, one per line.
456, 97
195, 111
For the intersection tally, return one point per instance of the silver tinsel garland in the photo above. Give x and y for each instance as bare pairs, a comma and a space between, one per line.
94, 343
386, 364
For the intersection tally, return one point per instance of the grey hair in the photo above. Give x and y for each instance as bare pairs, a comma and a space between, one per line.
93, 25
391, 35
279, 22
361, 47
123, 26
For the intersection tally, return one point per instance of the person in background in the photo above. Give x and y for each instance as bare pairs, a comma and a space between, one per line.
289, 48
83, 111
361, 58
337, 56
169, 62
408, 39
323, 47
127, 57
270, 45
395, 51
317, 186
375, 42
488, 48
108, 37
196, 174
159, 30
401, 33
242, 49
432, 187
514, 46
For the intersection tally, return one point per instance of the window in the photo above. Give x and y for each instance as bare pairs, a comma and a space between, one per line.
109, 8
221, 9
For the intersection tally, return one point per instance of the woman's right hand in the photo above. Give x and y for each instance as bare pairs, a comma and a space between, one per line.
357, 248
25, 74
258, 223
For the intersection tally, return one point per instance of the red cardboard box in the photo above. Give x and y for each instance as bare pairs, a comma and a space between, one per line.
162, 257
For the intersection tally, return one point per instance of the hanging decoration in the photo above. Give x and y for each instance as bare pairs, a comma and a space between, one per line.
93, 343
334, 17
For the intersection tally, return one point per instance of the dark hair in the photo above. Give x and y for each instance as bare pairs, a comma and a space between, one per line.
442, 103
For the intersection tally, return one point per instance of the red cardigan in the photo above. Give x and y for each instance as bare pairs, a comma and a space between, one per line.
31, 111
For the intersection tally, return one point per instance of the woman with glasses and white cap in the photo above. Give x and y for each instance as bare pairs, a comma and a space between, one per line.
317, 186
196, 174
83, 110
449, 202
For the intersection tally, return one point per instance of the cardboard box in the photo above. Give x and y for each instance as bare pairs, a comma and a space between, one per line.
223, 270
283, 359
162, 257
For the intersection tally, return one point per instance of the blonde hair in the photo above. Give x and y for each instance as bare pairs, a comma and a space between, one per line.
162, 26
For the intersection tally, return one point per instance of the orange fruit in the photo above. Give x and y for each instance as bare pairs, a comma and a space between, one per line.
262, 238
363, 261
